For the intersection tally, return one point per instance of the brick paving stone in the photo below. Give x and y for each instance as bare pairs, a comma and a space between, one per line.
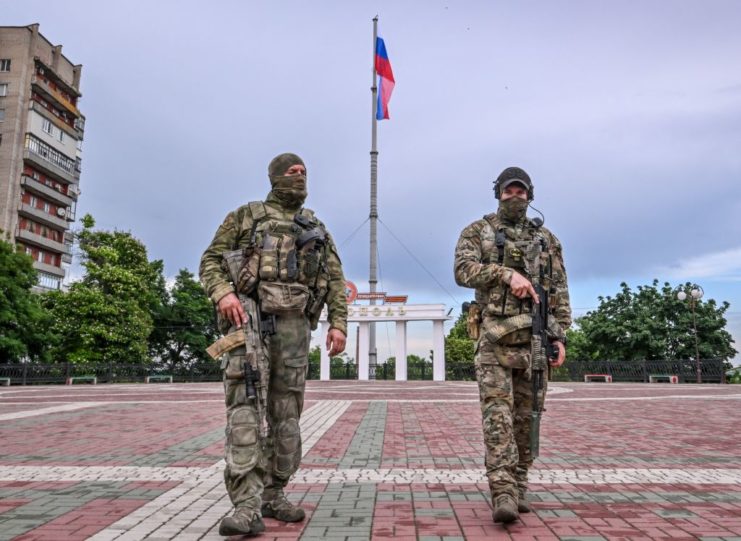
382, 460
366, 447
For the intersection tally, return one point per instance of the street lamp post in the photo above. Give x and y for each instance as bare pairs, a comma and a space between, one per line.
695, 295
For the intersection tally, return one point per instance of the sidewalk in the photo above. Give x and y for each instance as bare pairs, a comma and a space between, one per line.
393, 460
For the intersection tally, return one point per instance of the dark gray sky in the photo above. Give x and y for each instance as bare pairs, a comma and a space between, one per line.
627, 115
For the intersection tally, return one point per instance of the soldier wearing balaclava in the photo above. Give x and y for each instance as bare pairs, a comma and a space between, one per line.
277, 255
501, 257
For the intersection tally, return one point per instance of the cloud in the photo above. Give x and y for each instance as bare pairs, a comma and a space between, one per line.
724, 265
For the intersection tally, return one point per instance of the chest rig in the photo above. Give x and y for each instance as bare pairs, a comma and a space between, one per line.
285, 261
523, 248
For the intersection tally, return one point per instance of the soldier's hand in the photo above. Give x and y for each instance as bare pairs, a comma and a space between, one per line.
521, 287
230, 308
335, 342
558, 361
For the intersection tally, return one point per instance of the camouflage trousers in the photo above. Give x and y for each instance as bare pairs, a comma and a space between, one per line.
505, 390
252, 468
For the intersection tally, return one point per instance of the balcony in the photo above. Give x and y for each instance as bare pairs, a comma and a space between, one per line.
40, 188
42, 242
48, 167
59, 123
44, 88
50, 269
42, 217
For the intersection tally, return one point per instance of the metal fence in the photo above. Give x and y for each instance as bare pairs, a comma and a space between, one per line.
36, 373
713, 371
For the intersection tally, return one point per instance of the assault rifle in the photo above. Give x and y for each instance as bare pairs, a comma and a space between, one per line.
541, 352
256, 369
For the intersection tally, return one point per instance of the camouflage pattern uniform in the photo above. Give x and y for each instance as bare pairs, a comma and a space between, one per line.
503, 364
254, 475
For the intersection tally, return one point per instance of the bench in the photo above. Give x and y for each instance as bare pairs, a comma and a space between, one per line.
92, 379
5, 381
160, 377
607, 378
663, 378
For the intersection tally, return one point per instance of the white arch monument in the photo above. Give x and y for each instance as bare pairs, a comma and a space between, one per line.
364, 315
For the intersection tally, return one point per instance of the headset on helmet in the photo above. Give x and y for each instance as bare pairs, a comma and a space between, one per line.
510, 176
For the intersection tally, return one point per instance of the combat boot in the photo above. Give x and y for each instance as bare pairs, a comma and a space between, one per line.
523, 506
278, 507
505, 509
244, 521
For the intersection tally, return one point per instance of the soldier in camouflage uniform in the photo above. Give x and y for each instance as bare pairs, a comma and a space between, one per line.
256, 472
489, 258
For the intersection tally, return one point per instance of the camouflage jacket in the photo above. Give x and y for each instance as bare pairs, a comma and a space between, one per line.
477, 266
234, 233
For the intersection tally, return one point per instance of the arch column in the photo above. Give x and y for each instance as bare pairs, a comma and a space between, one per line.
324, 371
438, 350
401, 351
363, 345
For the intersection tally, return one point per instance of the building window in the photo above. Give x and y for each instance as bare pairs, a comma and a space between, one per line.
32, 201
35, 175
47, 127
61, 136
29, 251
47, 207
3, 89
4, 64
2, 115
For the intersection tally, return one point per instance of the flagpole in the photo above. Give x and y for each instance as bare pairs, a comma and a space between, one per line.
372, 277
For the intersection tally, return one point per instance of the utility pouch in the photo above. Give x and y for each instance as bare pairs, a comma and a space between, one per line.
269, 259
231, 262
308, 265
281, 299
473, 321
249, 273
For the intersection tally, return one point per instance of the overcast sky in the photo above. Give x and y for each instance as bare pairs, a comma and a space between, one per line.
626, 114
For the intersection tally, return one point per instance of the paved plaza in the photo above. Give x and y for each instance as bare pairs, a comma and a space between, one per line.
395, 460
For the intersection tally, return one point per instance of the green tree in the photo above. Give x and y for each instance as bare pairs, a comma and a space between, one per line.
315, 361
24, 329
459, 352
184, 323
651, 323
107, 316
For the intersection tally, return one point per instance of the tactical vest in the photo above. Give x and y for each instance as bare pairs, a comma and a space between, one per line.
286, 262
525, 249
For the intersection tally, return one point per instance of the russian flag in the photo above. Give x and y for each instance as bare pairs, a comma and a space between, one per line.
385, 80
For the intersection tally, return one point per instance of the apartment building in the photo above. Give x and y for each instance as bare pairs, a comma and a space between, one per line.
41, 132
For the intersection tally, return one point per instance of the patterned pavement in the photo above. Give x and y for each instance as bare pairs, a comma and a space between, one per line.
382, 460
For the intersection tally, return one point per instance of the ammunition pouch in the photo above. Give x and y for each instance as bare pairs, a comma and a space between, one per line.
281, 298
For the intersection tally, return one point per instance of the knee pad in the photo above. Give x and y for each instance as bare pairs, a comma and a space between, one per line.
242, 448
497, 424
287, 445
